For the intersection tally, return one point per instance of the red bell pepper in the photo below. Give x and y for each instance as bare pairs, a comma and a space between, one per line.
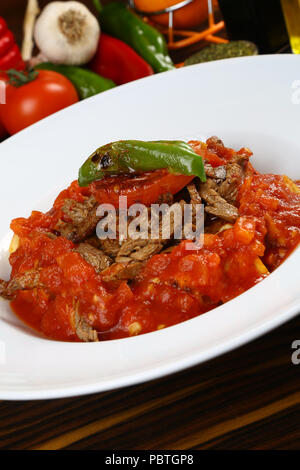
10, 56
116, 60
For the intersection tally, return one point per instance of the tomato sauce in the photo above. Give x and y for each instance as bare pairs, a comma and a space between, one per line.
172, 287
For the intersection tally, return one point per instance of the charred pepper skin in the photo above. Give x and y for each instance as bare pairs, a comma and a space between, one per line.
127, 156
119, 21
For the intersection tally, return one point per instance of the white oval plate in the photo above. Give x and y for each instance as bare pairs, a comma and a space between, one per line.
247, 102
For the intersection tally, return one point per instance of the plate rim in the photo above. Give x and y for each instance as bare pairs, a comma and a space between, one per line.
170, 367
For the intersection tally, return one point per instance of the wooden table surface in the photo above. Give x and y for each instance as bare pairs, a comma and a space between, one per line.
247, 399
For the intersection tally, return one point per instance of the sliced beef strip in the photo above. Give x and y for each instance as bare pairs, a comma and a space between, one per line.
176, 225
78, 211
139, 250
93, 256
100, 253
83, 219
143, 249
25, 281
235, 174
218, 173
150, 249
87, 227
129, 250
129, 246
110, 247
133, 253
179, 228
230, 177
122, 272
3, 289
131, 271
195, 201
84, 331
194, 194
65, 229
215, 204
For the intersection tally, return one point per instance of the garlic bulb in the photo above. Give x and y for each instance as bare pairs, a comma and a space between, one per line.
67, 33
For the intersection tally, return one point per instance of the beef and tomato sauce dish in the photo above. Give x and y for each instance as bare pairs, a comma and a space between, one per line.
71, 285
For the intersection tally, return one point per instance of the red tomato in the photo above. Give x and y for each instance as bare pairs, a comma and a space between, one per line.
144, 188
3, 78
29, 103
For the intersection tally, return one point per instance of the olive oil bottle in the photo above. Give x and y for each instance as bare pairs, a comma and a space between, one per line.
291, 10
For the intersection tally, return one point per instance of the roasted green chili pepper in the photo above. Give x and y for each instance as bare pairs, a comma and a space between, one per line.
127, 156
119, 21
87, 83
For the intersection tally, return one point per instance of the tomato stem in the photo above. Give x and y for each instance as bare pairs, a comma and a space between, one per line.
17, 78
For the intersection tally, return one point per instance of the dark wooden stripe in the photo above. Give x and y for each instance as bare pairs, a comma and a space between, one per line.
248, 398
280, 431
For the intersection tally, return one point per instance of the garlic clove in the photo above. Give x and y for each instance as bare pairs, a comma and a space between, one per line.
67, 33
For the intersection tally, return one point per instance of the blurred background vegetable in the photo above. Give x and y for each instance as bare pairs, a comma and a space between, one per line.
189, 16
67, 33
116, 60
222, 51
65, 37
119, 21
32, 12
87, 83
10, 56
33, 96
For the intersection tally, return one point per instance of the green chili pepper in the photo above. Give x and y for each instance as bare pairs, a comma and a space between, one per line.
87, 83
119, 21
127, 156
